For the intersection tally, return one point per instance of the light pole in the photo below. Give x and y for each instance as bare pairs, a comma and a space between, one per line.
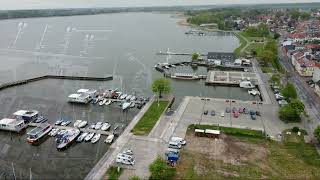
204, 104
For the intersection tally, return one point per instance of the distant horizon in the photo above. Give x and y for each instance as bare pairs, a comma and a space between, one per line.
60, 4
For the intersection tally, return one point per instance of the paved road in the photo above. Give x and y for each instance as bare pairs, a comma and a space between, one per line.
305, 93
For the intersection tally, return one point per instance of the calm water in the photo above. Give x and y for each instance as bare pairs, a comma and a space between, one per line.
124, 45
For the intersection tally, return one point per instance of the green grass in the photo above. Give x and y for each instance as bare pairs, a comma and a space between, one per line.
113, 173
231, 131
243, 44
150, 118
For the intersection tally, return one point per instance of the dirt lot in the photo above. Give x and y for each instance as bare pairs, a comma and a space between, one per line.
231, 157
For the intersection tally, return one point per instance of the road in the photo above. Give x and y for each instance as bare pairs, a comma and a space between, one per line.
305, 93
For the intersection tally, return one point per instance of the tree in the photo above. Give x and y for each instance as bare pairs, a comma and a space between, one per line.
266, 56
297, 105
275, 79
276, 35
289, 91
288, 114
160, 170
195, 56
160, 86
317, 132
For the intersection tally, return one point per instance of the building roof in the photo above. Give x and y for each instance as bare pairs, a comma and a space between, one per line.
306, 62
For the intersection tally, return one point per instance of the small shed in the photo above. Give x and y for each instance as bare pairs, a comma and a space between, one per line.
212, 133
199, 132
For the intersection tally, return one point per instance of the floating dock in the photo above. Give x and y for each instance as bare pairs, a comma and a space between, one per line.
26, 81
229, 78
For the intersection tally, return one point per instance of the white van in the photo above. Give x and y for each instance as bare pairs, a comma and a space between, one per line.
180, 140
174, 145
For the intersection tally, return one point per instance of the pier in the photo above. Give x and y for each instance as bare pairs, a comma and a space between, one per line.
26, 81
229, 78
81, 129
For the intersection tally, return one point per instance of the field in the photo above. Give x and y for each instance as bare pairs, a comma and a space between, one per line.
246, 158
150, 118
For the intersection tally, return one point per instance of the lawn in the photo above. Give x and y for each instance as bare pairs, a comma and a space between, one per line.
243, 44
113, 173
150, 118
246, 159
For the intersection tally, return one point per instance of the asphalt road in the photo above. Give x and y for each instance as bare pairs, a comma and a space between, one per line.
305, 93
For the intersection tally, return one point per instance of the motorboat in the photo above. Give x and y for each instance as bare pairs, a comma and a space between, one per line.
246, 84
98, 126
128, 152
128, 97
95, 101
81, 137
89, 137
37, 133
58, 122
253, 92
92, 126
133, 98
108, 102
105, 126
109, 139
132, 105
125, 105
123, 96
82, 124
53, 132
102, 102
14, 125
65, 123
95, 138
69, 137
41, 119
76, 123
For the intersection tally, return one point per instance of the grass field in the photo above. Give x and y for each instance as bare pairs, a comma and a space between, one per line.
235, 157
243, 44
150, 118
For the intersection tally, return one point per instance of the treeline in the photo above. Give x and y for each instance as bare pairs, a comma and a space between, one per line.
261, 30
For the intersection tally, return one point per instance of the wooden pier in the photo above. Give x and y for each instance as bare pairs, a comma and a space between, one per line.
81, 129
26, 81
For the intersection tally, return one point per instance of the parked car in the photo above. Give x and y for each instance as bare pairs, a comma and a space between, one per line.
222, 114
252, 112
258, 113
234, 109
228, 110
253, 116
213, 113
246, 111
236, 114
205, 112
241, 109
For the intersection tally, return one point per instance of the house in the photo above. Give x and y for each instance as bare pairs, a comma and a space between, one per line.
316, 75
305, 66
296, 56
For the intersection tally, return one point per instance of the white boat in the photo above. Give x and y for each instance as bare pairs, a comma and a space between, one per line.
109, 139
132, 104
133, 98
89, 137
95, 138
60, 132
253, 92
65, 123
53, 132
108, 102
128, 97
92, 126
102, 102
246, 84
69, 136
82, 124
14, 125
125, 105
98, 126
123, 96
105, 126
82, 136
76, 123
37, 133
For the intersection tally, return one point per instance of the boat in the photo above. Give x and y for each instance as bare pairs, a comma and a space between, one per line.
65, 123
89, 137
95, 101
102, 102
95, 138
108, 102
58, 122
185, 76
109, 139
92, 126
82, 124
69, 136
14, 125
37, 133
123, 96
132, 105
54, 132
105, 126
246, 84
76, 124
128, 97
133, 98
98, 126
253, 92
81, 137
40, 119
125, 105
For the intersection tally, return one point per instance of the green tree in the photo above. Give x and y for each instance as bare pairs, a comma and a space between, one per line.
289, 91
288, 114
160, 86
317, 132
160, 170
275, 79
276, 35
266, 56
297, 105
195, 57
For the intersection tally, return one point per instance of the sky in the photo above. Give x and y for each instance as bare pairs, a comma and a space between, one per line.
48, 4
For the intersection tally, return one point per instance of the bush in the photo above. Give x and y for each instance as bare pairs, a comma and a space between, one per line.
160, 170
289, 91
135, 178
289, 114
113, 173
295, 129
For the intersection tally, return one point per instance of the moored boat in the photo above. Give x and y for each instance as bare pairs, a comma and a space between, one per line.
69, 136
102, 102
37, 133
125, 105
89, 137
123, 96
98, 126
95, 138
105, 126
128, 97
109, 139
76, 123
82, 124
81, 137
108, 102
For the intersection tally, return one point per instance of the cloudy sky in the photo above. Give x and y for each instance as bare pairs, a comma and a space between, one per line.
43, 4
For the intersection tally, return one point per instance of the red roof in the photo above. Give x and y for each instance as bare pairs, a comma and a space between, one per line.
297, 35
312, 46
306, 62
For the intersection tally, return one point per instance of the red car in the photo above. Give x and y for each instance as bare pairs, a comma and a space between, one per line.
236, 114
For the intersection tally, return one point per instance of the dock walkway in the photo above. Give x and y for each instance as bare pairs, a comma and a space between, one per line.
231, 78
81, 129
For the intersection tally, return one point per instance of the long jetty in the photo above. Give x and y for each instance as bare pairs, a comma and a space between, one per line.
26, 81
